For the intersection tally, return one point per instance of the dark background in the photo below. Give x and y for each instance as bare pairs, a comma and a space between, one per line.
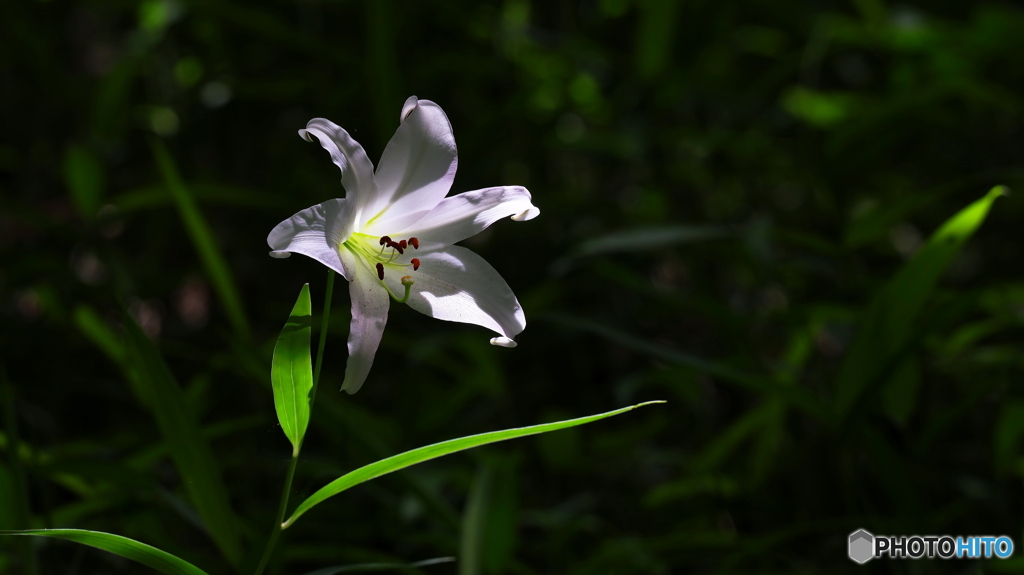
725, 188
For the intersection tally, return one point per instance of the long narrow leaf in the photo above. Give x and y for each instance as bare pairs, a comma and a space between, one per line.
202, 238
188, 448
409, 458
162, 561
883, 336
366, 567
761, 384
292, 372
474, 520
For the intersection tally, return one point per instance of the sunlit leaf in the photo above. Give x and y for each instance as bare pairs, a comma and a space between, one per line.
188, 448
292, 371
403, 460
162, 561
875, 352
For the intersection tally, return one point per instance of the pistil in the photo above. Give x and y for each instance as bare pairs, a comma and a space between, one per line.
359, 245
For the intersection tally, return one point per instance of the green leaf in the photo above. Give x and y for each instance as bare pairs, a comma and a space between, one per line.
821, 109
793, 395
649, 238
292, 372
899, 396
474, 519
640, 239
419, 455
96, 330
188, 448
884, 335
83, 174
162, 561
656, 32
367, 567
490, 522
202, 238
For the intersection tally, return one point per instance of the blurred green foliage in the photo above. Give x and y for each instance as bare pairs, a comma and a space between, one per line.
743, 211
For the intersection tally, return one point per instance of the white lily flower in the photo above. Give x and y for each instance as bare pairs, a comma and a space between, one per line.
392, 234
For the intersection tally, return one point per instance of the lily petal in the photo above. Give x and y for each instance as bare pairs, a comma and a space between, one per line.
349, 156
455, 284
370, 303
503, 341
467, 214
416, 170
316, 232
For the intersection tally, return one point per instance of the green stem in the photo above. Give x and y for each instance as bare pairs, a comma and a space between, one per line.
323, 337
281, 510
283, 507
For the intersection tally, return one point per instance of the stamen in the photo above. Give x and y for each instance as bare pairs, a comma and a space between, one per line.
414, 242
380, 271
415, 264
402, 244
385, 240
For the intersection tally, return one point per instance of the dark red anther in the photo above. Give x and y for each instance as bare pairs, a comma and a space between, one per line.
415, 264
385, 240
414, 242
380, 271
402, 244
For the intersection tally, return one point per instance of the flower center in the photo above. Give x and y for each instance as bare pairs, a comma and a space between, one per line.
384, 255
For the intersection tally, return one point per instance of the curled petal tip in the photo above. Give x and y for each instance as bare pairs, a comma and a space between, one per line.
410, 105
305, 135
503, 341
527, 215
280, 254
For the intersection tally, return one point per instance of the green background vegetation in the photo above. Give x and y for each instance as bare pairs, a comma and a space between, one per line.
737, 200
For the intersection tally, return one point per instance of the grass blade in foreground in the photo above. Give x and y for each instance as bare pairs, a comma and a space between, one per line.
202, 237
162, 561
186, 445
410, 458
292, 372
366, 567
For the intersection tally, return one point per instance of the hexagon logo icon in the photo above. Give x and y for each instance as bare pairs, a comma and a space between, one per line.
861, 546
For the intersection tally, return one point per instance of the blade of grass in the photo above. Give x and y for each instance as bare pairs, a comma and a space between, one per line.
203, 240
765, 385
409, 458
162, 561
474, 528
883, 337
185, 442
366, 567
